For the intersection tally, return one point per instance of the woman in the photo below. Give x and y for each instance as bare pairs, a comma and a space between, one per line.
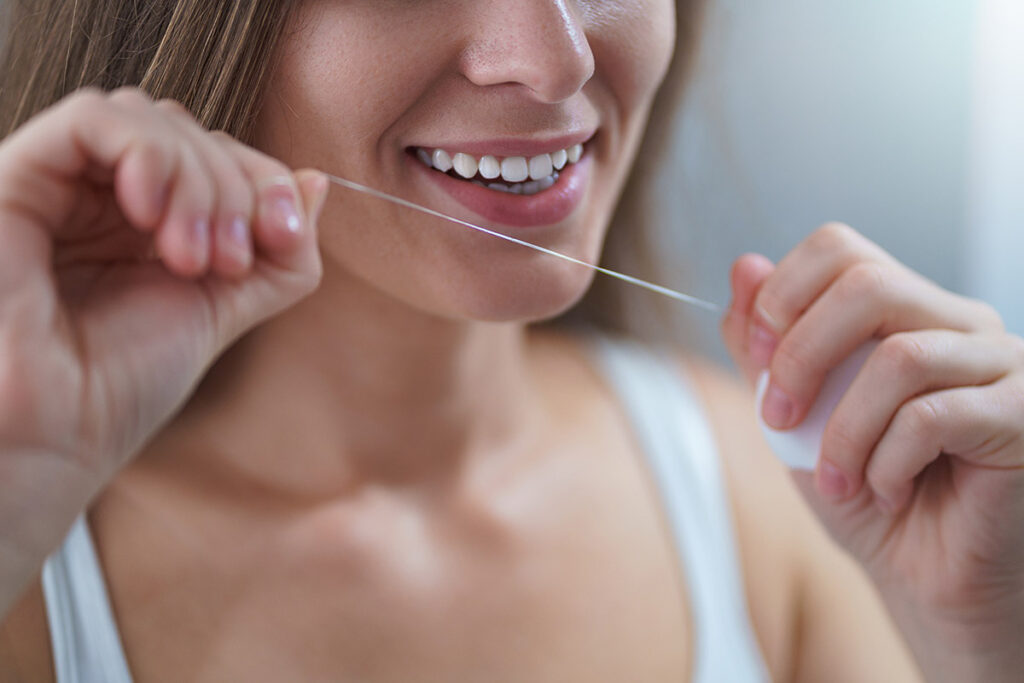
388, 475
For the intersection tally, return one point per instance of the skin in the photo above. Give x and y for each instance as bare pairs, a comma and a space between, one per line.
394, 478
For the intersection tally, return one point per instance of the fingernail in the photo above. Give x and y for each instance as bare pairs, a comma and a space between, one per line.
761, 345
322, 188
832, 482
761, 313
238, 233
778, 409
201, 238
280, 207
238, 238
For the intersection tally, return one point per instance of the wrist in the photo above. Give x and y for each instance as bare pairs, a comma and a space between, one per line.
42, 496
967, 642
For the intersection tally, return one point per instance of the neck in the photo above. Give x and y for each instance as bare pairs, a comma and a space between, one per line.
352, 386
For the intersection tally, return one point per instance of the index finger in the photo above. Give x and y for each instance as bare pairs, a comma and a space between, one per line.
806, 271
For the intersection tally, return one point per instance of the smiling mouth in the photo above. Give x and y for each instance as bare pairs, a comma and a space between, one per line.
513, 175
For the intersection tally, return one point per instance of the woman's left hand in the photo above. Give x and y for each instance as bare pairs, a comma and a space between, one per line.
921, 475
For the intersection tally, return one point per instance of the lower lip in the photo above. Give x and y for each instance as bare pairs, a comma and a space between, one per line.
547, 207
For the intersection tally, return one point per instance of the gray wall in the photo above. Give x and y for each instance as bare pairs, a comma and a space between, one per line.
805, 111
995, 226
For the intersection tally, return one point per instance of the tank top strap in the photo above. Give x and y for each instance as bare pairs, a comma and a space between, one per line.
83, 634
670, 427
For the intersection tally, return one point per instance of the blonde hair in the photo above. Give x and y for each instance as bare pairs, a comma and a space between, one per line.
213, 56
210, 56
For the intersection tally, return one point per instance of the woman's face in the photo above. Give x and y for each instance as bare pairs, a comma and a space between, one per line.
374, 90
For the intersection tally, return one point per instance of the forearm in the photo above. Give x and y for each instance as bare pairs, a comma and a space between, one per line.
41, 496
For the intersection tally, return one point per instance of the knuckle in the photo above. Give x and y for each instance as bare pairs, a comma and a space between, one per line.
222, 138
772, 302
1016, 400
839, 442
85, 100
130, 97
87, 91
988, 317
831, 236
865, 279
792, 361
920, 418
905, 355
229, 146
175, 109
1016, 345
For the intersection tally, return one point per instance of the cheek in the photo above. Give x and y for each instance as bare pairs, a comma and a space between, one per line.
633, 41
338, 85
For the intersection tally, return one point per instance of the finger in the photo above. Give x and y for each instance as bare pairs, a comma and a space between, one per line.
805, 272
142, 176
269, 288
183, 238
904, 366
49, 154
869, 299
279, 221
974, 424
855, 523
142, 182
231, 243
44, 164
747, 274
314, 187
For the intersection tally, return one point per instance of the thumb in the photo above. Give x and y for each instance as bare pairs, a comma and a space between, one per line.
748, 274
314, 187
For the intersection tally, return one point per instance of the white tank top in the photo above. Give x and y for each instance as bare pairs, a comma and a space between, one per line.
669, 424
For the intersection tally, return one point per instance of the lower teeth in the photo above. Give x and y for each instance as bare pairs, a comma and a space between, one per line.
527, 188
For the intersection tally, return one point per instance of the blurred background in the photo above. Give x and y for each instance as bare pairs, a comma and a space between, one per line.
903, 118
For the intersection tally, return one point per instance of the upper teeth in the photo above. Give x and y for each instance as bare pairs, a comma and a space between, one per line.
511, 169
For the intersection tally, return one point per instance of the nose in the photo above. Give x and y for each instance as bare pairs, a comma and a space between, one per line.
538, 44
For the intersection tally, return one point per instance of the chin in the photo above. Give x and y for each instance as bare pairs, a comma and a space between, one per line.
541, 298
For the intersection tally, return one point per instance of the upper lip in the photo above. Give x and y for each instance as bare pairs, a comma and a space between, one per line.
512, 146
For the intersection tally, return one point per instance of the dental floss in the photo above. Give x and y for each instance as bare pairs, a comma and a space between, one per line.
800, 447
671, 293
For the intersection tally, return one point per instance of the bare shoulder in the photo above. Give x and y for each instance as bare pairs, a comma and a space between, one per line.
25, 641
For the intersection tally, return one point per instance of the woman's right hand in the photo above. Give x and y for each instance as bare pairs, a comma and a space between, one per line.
135, 246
